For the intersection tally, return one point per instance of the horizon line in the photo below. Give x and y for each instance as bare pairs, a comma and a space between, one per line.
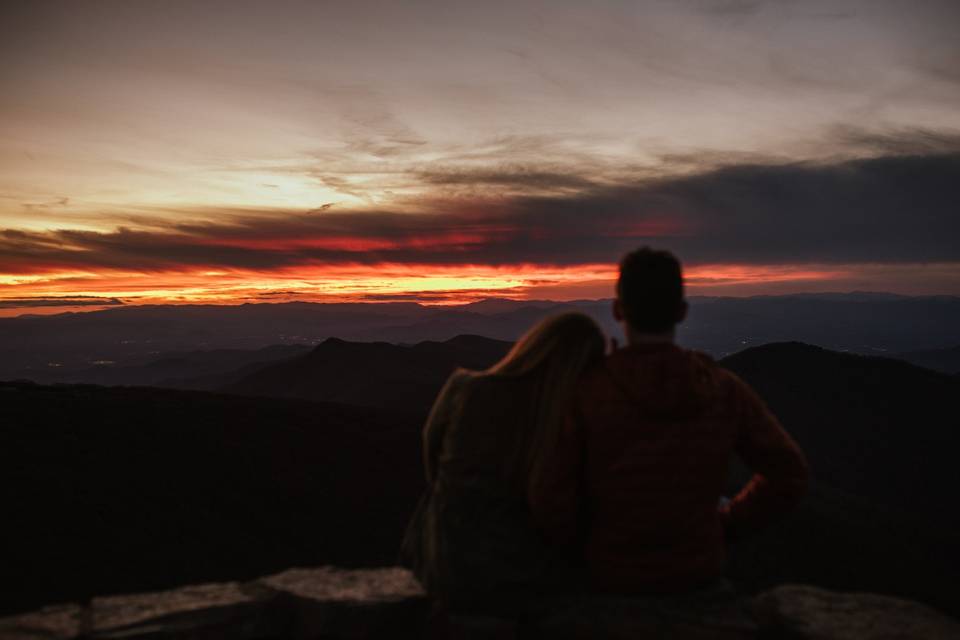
88, 304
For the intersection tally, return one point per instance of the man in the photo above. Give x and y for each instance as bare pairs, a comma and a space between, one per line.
642, 461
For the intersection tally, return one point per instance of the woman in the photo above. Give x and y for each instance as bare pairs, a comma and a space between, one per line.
472, 543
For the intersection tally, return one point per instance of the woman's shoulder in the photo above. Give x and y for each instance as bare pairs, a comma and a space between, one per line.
455, 386
464, 383
460, 379
467, 378
487, 392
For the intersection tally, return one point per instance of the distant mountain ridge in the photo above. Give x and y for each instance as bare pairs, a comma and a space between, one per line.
199, 369
51, 348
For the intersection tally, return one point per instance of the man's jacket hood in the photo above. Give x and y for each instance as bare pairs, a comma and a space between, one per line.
664, 380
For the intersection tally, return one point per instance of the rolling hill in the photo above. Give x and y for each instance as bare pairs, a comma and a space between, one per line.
205, 369
944, 360
881, 436
878, 428
375, 374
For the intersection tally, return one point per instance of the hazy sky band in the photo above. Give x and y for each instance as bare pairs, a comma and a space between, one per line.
257, 137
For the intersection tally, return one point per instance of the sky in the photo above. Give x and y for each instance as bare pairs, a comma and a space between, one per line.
237, 151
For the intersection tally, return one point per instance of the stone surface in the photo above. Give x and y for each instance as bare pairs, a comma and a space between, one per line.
329, 604
116, 612
224, 610
367, 586
364, 603
49, 623
802, 612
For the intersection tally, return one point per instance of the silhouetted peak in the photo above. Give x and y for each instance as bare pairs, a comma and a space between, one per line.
339, 347
376, 374
783, 351
461, 341
792, 358
778, 349
470, 340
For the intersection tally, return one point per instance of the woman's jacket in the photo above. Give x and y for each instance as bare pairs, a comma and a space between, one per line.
472, 540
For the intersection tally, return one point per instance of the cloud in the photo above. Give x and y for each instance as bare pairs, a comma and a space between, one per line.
893, 209
916, 141
510, 176
736, 8
58, 301
60, 201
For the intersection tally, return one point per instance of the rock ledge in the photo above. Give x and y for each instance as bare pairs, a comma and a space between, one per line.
330, 603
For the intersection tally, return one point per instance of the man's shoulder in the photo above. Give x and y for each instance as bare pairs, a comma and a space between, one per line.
727, 381
596, 376
701, 357
657, 377
674, 353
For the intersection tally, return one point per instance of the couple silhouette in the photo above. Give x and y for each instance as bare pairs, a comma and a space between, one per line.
567, 469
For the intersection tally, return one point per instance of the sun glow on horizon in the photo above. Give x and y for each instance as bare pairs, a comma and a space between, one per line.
430, 285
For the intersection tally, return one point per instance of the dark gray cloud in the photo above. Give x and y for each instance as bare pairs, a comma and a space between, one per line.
58, 301
897, 208
509, 176
734, 8
885, 210
915, 141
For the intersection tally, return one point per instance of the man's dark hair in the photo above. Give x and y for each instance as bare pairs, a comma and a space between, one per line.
650, 289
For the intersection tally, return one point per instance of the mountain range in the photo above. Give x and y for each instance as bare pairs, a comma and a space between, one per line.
95, 346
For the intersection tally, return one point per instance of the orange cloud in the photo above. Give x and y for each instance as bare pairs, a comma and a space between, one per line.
431, 284
738, 274
357, 244
437, 284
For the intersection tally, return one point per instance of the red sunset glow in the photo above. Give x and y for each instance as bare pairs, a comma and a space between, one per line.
426, 283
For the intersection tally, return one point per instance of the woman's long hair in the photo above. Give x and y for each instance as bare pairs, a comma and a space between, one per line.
552, 354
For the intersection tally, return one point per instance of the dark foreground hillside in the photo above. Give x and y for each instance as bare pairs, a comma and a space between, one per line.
877, 428
882, 437
108, 490
130, 489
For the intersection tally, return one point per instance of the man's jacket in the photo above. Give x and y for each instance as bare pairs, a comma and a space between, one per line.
642, 462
